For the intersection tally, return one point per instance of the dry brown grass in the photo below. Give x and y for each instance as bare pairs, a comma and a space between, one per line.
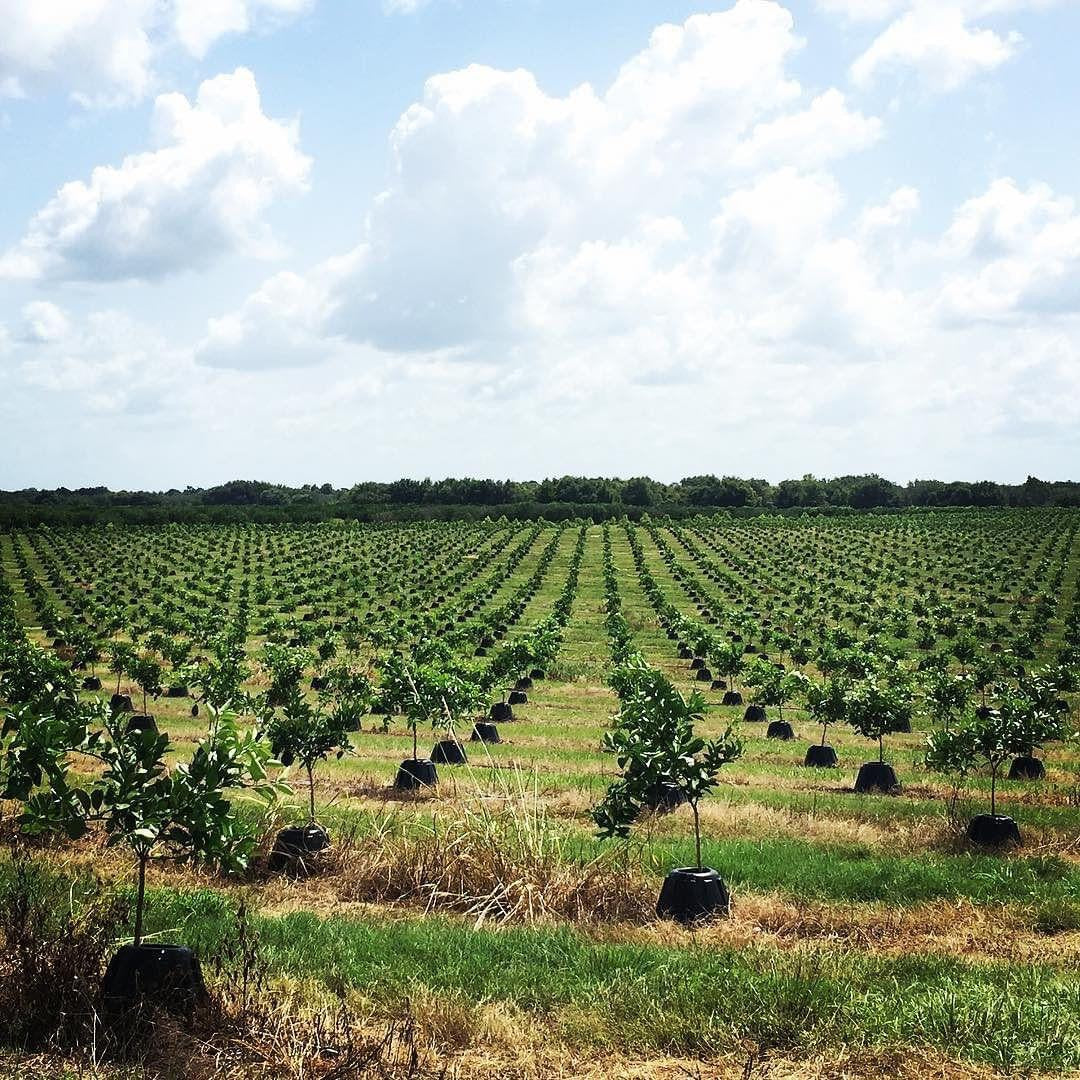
499, 860
412, 1057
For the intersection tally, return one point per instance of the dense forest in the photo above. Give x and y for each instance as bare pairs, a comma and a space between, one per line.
555, 498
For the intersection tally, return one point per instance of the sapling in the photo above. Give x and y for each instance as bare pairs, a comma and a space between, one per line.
147, 673
726, 658
827, 702
773, 685
991, 737
157, 812
121, 658
307, 734
946, 694
879, 705
285, 665
655, 744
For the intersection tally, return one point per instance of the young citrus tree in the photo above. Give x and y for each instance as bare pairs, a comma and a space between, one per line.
773, 685
827, 704
990, 737
307, 734
656, 746
876, 706
181, 813
726, 658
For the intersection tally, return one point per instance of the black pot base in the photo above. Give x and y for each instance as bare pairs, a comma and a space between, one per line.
1027, 768
663, 797
296, 844
449, 752
820, 757
994, 831
416, 773
486, 733
876, 776
780, 729
167, 976
692, 894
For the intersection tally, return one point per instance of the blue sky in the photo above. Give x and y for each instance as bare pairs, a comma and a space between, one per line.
310, 240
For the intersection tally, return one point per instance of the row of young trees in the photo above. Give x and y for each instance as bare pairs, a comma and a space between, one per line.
655, 739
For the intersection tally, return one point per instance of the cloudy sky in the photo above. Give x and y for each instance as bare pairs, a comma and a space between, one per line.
333, 240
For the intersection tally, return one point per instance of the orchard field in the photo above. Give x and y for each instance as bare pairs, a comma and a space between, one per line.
480, 926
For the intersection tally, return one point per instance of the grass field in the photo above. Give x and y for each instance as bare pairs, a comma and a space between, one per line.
867, 936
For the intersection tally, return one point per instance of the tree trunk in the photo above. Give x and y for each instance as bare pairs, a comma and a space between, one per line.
311, 794
697, 833
140, 898
993, 789
881, 749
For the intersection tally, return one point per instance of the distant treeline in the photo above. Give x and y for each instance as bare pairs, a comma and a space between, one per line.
564, 497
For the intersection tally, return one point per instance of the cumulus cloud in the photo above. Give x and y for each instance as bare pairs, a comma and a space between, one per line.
104, 51
939, 45
1012, 255
44, 322
935, 40
105, 360
279, 325
217, 164
494, 180
677, 237
198, 24
674, 252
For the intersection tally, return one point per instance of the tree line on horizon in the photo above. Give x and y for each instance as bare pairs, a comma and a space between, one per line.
410, 499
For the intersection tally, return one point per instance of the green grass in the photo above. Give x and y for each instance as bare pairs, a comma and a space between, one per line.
652, 999
799, 869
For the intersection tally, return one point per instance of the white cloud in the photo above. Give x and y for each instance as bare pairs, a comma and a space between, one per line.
1012, 255
44, 322
218, 163
674, 254
871, 11
488, 171
106, 361
935, 39
104, 51
96, 48
199, 24
279, 325
938, 44
827, 129
897, 210
684, 206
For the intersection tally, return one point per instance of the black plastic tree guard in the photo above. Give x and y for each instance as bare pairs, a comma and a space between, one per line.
876, 776
691, 894
416, 773
994, 831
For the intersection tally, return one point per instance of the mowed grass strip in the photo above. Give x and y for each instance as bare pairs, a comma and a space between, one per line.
653, 999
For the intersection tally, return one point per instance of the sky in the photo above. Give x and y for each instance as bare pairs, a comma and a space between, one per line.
314, 241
